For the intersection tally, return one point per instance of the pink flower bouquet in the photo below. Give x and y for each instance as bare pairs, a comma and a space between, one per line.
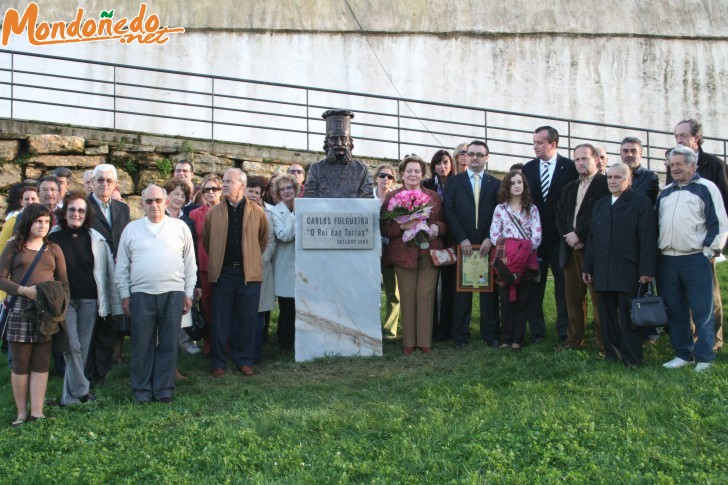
411, 205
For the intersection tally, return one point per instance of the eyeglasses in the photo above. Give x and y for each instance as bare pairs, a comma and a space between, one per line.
477, 155
102, 180
181, 170
49, 189
210, 189
295, 172
386, 176
80, 212
158, 201
287, 188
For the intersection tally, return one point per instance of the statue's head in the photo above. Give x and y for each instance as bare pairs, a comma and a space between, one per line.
338, 143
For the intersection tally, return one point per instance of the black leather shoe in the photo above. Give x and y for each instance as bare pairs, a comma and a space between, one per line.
536, 340
459, 345
493, 344
166, 400
88, 397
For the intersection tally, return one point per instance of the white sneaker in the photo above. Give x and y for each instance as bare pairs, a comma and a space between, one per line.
193, 349
676, 363
703, 366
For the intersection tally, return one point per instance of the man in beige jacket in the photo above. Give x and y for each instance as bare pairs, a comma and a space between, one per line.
235, 236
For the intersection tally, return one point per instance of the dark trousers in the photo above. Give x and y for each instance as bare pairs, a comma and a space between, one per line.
235, 317
259, 330
155, 327
548, 257
489, 316
513, 313
444, 305
101, 352
621, 342
286, 323
686, 285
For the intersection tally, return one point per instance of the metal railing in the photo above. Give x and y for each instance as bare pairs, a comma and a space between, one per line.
218, 108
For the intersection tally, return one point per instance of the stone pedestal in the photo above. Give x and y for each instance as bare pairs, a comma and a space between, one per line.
338, 278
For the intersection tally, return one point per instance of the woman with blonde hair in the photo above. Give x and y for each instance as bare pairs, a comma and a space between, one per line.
460, 157
384, 179
287, 188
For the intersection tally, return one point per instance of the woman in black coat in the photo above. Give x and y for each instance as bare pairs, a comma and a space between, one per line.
620, 254
441, 168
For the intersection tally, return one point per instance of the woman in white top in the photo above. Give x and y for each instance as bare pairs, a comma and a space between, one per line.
284, 263
516, 217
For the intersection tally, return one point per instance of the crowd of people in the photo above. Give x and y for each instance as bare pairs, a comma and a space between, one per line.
600, 229
78, 274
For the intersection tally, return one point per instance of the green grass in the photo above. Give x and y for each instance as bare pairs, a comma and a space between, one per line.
474, 416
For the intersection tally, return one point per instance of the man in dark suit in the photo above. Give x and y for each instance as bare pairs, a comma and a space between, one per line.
572, 220
546, 175
110, 219
621, 253
644, 181
689, 133
469, 223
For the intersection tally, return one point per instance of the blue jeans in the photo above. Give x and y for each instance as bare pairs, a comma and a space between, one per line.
80, 321
686, 285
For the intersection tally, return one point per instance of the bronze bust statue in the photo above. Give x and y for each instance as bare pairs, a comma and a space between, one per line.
338, 176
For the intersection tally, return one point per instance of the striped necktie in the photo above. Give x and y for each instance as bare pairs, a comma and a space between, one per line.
545, 181
476, 195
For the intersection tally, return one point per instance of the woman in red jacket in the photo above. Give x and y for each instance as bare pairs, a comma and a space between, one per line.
416, 276
211, 188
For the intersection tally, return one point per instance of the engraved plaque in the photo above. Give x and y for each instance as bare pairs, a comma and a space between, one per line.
337, 230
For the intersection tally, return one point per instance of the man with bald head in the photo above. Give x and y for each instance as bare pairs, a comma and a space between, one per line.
235, 235
156, 275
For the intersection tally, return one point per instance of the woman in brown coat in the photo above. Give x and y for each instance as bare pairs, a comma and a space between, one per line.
416, 276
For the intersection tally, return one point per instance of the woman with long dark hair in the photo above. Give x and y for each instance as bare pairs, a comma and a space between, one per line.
31, 350
441, 168
90, 269
515, 218
27, 195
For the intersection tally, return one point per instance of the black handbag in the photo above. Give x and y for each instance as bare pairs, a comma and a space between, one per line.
647, 311
197, 330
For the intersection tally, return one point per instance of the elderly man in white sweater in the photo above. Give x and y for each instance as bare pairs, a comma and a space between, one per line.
156, 275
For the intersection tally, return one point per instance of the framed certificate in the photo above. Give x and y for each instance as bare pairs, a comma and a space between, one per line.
474, 273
